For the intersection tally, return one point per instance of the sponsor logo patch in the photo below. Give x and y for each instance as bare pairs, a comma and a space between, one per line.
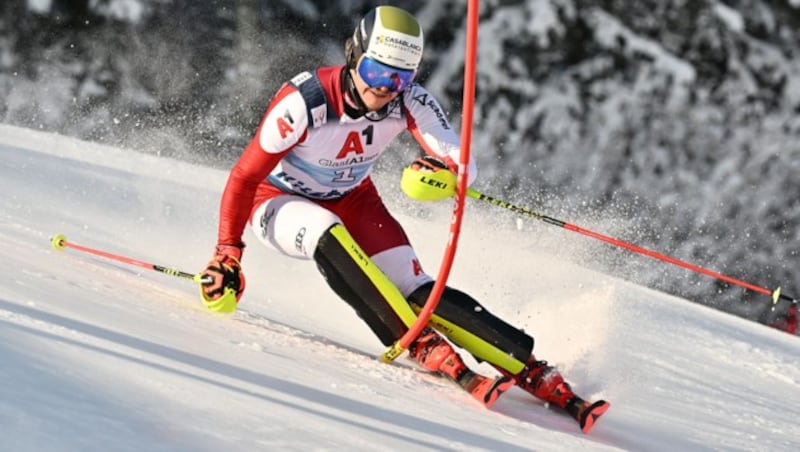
298, 239
264, 222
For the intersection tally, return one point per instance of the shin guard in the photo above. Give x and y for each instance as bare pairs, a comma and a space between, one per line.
359, 282
470, 326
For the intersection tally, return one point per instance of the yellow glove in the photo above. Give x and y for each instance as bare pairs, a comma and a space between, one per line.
428, 179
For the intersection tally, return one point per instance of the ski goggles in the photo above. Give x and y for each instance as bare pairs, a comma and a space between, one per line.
378, 75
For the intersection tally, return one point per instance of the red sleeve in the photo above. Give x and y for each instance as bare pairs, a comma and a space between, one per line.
256, 162
237, 200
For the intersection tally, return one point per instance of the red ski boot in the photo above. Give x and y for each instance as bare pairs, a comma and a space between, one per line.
546, 383
434, 353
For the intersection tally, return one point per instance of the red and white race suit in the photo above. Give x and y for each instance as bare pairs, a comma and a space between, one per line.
308, 167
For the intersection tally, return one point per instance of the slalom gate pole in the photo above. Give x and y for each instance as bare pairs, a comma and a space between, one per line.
470, 67
775, 294
59, 242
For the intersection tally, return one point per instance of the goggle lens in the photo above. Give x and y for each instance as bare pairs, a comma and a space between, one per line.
378, 75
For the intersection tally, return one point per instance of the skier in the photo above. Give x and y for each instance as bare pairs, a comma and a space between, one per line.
303, 184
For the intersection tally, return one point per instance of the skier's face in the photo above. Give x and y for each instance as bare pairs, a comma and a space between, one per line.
373, 98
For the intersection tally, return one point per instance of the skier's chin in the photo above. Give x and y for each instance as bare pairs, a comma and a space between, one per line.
375, 101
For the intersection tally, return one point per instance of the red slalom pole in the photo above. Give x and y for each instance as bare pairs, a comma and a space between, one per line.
470, 68
59, 242
775, 294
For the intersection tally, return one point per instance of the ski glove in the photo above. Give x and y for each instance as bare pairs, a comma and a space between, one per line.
428, 163
223, 280
428, 179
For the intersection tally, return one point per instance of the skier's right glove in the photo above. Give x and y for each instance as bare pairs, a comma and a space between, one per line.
223, 280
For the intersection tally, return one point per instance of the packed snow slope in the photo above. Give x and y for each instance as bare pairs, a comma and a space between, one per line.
100, 356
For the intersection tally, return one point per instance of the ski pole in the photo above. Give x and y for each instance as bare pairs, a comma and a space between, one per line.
59, 242
775, 294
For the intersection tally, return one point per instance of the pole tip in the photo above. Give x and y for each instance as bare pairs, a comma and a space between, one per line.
776, 295
59, 241
392, 353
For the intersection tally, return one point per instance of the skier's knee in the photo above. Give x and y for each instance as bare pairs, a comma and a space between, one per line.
400, 264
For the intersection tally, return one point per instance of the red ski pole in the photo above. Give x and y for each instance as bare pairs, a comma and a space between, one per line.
59, 242
775, 294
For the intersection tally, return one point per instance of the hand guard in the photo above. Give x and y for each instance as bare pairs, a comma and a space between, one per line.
428, 179
225, 280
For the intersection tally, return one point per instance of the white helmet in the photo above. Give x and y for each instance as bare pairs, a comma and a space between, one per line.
389, 35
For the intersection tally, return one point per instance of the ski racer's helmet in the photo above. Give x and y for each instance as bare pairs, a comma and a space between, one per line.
386, 47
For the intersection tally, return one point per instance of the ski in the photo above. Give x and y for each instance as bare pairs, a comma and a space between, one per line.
487, 391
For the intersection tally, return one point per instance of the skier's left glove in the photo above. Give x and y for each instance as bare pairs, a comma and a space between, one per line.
429, 179
431, 164
224, 280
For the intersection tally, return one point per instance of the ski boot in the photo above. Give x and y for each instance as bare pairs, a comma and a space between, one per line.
434, 353
546, 383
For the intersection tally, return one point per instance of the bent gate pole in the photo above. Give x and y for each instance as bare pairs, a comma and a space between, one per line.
470, 65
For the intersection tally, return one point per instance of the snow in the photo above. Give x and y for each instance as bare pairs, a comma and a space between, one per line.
731, 17
132, 11
98, 355
40, 6
610, 30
